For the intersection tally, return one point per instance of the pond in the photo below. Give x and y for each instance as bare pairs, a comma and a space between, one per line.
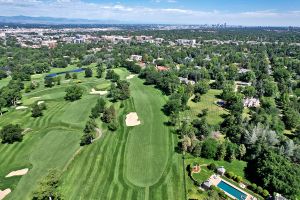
70, 71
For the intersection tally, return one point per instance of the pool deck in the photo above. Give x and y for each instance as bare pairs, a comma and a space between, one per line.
216, 179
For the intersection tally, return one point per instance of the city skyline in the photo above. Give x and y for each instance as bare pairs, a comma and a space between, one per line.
236, 12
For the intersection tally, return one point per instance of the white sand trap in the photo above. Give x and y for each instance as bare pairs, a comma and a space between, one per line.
20, 172
130, 76
40, 102
36, 97
21, 107
4, 193
132, 119
98, 92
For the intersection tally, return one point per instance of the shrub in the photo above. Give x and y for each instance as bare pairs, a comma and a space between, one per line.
239, 179
259, 190
265, 193
229, 174
212, 166
253, 187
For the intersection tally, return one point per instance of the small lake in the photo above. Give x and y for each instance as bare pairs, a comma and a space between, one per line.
70, 71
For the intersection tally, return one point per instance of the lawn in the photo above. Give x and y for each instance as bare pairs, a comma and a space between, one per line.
236, 166
132, 163
208, 101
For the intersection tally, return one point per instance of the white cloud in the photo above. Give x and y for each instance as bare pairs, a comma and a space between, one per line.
119, 11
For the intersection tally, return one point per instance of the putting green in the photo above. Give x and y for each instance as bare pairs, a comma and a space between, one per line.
146, 154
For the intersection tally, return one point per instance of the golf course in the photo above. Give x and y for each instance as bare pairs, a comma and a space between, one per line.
132, 163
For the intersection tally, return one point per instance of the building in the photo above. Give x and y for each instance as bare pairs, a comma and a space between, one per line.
207, 184
243, 71
162, 68
186, 81
79, 41
251, 102
186, 42
137, 58
278, 196
49, 43
221, 170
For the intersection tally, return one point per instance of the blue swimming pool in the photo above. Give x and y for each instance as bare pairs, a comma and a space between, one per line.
232, 191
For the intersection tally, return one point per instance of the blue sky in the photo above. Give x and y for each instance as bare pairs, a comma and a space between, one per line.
234, 12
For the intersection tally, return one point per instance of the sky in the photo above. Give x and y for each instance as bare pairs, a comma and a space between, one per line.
233, 12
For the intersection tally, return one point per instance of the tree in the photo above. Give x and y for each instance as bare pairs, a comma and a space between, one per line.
74, 76
68, 75
36, 111
2, 104
11, 133
90, 126
100, 70
88, 72
291, 118
209, 148
98, 109
73, 93
109, 114
197, 98
242, 151
3, 74
202, 87
285, 179
112, 75
221, 153
49, 81
48, 187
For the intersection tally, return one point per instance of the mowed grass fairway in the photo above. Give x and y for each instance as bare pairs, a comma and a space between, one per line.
132, 163
52, 140
147, 149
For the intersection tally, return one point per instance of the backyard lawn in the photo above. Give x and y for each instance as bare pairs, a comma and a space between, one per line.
208, 101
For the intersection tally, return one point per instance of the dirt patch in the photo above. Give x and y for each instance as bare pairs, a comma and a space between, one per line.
21, 107
132, 119
130, 76
4, 193
196, 169
98, 92
20, 172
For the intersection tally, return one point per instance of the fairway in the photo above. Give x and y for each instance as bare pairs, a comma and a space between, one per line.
147, 146
134, 162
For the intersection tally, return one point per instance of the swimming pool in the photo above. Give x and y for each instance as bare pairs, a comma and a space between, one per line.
232, 191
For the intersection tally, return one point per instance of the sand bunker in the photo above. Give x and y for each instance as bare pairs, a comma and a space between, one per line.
36, 97
40, 102
132, 119
130, 76
4, 193
21, 107
98, 92
17, 173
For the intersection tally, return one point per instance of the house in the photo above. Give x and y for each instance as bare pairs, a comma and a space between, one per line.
278, 196
251, 102
221, 170
243, 71
137, 58
186, 42
186, 81
49, 43
207, 184
162, 68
